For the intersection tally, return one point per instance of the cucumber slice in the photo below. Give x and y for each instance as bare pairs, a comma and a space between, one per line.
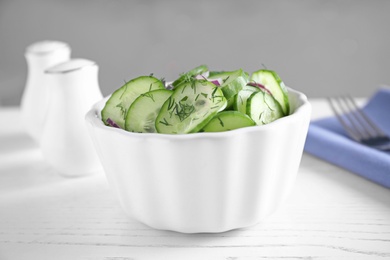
232, 81
214, 72
228, 120
118, 104
271, 80
190, 107
142, 114
263, 108
242, 97
185, 77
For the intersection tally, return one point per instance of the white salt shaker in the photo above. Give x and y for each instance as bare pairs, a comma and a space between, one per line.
39, 56
65, 143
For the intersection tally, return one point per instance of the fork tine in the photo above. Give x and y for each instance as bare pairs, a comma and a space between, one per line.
377, 131
356, 118
339, 111
357, 124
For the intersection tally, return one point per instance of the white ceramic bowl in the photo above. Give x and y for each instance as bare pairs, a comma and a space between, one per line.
203, 182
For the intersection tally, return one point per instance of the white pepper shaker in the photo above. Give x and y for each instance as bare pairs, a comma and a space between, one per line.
39, 56
65, 143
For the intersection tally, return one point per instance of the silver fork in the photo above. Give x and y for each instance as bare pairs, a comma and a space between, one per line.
357, 124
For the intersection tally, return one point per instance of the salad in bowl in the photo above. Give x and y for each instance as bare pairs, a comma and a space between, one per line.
208, 152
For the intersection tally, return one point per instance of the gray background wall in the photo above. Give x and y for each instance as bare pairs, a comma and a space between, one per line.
319, 47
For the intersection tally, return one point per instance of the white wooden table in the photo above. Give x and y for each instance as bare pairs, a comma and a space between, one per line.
331, 214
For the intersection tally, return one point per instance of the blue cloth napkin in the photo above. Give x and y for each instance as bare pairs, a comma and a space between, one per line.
327, 140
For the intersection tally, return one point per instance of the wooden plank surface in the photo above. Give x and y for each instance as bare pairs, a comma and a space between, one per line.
331, 214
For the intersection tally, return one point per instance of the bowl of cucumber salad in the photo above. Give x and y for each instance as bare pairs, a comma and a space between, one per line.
209, 152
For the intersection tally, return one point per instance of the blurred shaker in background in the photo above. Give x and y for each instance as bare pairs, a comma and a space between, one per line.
39, 56
65, 143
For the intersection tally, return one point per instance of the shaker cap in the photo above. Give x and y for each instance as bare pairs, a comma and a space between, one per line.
46, 47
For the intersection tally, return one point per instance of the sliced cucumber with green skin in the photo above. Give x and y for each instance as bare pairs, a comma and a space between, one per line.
263, 108
118, 104
242, 97
228, 120
142, 114
232, 81
191, 106
271, 80
186, 76
214, 72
